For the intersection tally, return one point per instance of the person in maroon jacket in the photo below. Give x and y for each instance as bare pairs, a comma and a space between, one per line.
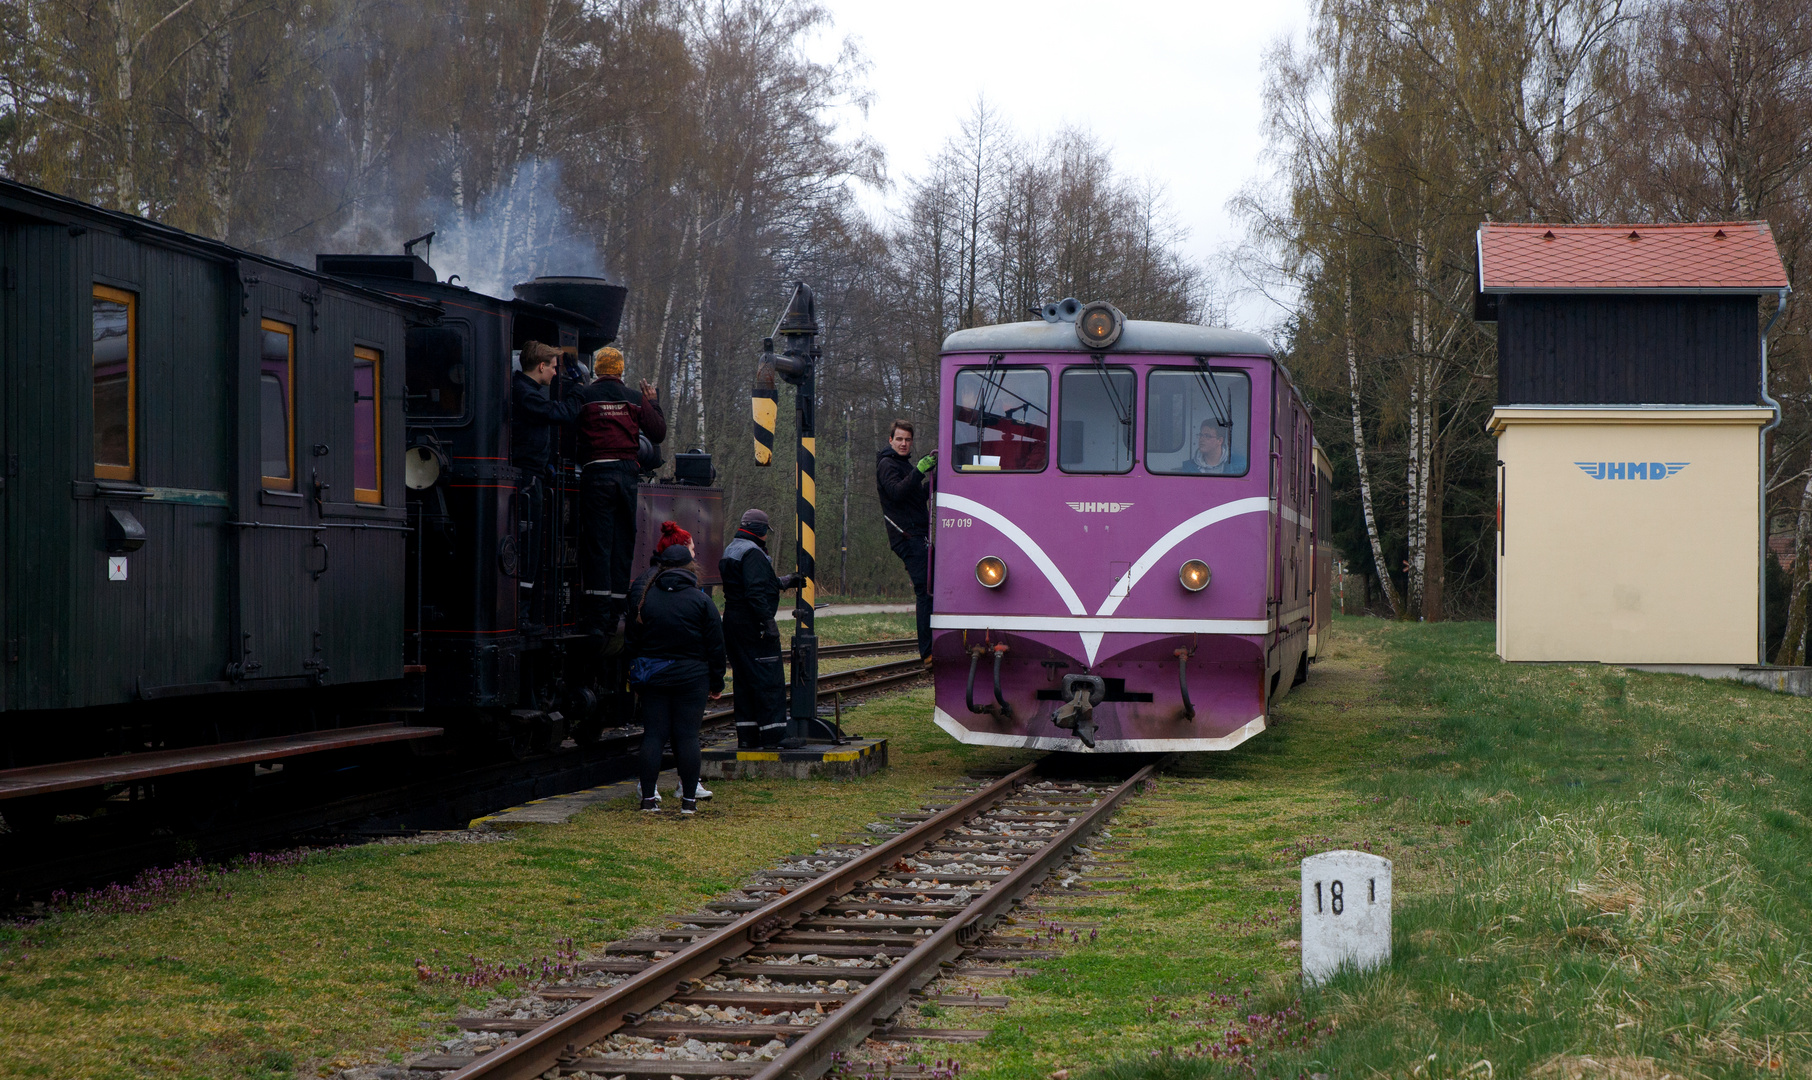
610, 417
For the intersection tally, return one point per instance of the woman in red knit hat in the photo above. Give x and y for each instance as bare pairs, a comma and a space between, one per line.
676, 650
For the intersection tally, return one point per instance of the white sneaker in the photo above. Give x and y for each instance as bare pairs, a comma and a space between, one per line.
703, 792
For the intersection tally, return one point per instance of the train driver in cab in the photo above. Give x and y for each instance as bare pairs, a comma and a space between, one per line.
610, 418
1212, 457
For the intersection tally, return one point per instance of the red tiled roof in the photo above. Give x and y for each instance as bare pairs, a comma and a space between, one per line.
1736, 256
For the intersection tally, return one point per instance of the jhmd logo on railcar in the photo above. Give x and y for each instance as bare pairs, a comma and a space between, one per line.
1631, 470
1099, 507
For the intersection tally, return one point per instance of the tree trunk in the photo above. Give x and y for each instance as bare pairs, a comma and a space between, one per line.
125, 192
1365, 476
1792, 650
1434, 577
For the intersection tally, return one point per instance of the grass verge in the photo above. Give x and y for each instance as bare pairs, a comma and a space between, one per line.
299, 970
1597, 874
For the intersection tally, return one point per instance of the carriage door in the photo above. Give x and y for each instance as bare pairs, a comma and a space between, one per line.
282, 552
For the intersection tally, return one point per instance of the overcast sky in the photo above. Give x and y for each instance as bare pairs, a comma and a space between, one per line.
1172, 87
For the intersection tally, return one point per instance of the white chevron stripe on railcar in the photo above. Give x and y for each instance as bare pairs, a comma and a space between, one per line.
1092, 629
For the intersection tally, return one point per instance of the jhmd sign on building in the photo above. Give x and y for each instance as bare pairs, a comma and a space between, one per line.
1629, 428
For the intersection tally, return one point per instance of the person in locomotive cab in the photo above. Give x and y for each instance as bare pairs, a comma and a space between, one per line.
1211, 456
610, 417
751, 636
676, 648
533, 417
904, 495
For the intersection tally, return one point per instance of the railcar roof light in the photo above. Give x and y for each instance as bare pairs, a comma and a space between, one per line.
1099, 324
991, 571
1194, 575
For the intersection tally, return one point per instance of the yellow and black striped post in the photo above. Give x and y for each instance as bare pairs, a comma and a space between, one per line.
797, 364
766, 405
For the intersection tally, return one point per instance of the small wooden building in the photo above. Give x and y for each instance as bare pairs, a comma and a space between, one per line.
1632, 408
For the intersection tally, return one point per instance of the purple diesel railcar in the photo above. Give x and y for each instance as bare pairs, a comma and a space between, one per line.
1124, 533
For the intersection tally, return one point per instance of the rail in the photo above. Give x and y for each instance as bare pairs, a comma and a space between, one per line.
1031, 829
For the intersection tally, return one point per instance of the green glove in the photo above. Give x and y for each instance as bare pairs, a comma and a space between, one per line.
928, 462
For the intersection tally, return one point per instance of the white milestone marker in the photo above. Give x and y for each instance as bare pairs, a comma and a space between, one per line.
1345, 912
116, 568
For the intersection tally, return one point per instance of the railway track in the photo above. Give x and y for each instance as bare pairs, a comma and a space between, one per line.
868, 648
830, 684
809, 959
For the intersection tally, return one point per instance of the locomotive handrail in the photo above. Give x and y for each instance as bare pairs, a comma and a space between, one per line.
321, 525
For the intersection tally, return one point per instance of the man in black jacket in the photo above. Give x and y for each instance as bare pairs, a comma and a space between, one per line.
533, 415
904, 495
676, 642
751, 636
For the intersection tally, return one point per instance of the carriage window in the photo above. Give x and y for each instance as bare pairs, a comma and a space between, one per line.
1097, 417
366, 455
277, 404
438, 361
1003, 419
1198, 422
114, 369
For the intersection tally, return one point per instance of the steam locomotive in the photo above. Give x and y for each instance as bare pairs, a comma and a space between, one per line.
251, 511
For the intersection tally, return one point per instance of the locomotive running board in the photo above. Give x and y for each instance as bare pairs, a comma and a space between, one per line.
125, 768
1102, 746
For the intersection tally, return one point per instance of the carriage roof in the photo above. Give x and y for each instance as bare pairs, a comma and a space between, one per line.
1138, 337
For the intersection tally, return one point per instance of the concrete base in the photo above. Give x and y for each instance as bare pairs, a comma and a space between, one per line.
1783, 680
854, 759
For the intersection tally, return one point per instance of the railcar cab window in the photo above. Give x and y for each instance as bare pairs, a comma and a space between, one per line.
1198, 422
439, 360
366, 461
1003, 419
1097, 417
115, 374
277, 404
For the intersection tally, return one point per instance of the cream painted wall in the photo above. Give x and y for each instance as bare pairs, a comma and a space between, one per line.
1621, 570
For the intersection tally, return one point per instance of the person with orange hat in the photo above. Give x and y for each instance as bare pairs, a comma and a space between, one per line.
611, 419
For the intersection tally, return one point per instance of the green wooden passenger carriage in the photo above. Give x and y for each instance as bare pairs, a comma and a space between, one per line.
203, 483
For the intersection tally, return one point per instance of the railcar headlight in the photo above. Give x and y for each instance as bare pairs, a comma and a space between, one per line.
1194, 575
991, 572
1098, 325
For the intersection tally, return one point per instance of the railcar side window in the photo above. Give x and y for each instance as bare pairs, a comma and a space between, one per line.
115, 373
366, 443
1097, 417
437, 361
1198, 422
277, 405
1003, 419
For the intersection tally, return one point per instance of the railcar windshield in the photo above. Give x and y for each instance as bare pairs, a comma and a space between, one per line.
1002, 419
1097, 417
1198, 421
